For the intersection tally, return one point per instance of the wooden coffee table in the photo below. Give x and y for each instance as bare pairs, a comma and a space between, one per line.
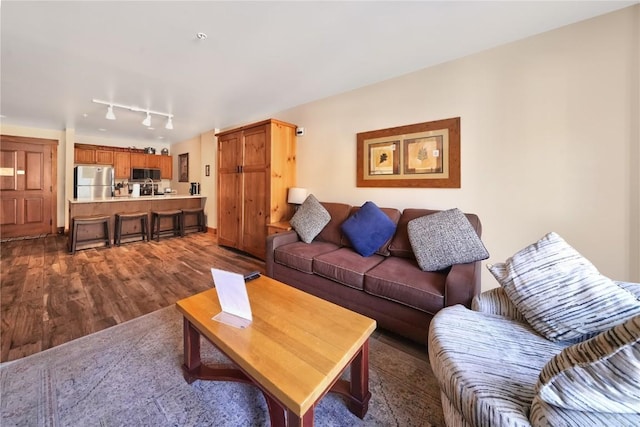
295, 350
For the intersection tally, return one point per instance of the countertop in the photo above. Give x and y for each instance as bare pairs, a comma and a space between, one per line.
136, 199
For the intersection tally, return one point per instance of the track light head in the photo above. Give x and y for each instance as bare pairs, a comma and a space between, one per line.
169, 124
147, 120
110, 115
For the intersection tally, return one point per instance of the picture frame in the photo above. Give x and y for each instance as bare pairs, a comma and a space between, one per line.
421, 155
183, 167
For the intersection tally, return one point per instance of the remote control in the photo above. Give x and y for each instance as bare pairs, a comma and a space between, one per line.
251, 276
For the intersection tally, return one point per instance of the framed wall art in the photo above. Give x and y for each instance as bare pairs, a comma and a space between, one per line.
183, 167
419, 155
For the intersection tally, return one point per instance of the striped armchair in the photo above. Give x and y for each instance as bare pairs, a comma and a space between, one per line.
495, 369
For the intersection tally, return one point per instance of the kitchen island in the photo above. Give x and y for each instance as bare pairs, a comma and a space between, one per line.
127, 204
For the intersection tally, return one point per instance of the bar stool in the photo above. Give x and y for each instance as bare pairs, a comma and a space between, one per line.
199, 225
78, 222
143, 232
156, 219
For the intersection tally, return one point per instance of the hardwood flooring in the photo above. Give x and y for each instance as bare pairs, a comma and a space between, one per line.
49, 297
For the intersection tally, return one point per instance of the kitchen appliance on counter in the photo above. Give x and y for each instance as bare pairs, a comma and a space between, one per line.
195, 189
93, 182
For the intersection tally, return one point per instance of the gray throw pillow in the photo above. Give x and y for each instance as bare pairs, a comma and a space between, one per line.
310, 219
560, 293
443, 239
601, 374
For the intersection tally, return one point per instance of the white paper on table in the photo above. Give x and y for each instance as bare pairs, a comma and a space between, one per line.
233, 297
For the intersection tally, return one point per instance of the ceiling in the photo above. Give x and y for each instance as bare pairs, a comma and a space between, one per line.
259, 57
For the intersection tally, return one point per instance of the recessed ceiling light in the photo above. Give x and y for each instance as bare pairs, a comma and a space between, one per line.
201, 36
150, 128
85, 115
102, 129
161, 137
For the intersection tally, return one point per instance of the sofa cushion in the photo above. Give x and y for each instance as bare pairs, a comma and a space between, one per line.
601, 374
332, 233
487, 365
310, 218
368, 229
443, 239
300, 255
393, 214
400, 245
560, 293
345, 266
400, 280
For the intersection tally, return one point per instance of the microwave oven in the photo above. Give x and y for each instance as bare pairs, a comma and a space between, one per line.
141, 174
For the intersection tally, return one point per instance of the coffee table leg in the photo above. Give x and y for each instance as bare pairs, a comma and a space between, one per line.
360, 395
305, 421
191, 351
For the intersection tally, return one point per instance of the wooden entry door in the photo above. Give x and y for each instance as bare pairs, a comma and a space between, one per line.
27, 186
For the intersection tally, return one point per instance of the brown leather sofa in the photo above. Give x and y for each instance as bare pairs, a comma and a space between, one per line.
388, 286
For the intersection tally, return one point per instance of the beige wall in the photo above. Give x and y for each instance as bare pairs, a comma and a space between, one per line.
549, 140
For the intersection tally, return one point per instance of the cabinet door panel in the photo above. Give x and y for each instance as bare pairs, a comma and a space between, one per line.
229, 151
138, 160
229, 209
255, 148
255, 216
153, 161
104, 157
122, 165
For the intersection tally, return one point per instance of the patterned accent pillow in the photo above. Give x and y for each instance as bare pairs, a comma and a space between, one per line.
560, 293
444, 238
598, 375
368, 229
310, 219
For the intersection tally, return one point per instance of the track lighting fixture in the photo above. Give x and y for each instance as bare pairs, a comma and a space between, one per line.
110, 115
147, 121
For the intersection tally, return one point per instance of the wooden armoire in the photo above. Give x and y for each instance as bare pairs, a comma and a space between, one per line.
256, 166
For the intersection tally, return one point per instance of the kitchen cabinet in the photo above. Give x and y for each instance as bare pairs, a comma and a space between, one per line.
104, 157
166, 167
256, 166
153, 161
122, 164
84, 156
138, 160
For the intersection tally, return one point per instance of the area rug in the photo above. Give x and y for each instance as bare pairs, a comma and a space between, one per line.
130, 375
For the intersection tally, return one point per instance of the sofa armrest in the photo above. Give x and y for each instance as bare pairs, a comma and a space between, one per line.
496, 301
462, 284
273, 242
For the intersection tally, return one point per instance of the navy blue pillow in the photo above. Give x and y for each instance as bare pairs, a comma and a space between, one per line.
368, 229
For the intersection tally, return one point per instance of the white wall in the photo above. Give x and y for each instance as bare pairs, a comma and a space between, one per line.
549, 139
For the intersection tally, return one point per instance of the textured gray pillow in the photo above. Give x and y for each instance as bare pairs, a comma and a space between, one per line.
560, 293
444, 238
598, 375
310, 219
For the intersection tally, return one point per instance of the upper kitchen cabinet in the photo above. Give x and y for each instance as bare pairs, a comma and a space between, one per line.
84, 155
166, 167
256, 166
138, 160
122, 164
104, 157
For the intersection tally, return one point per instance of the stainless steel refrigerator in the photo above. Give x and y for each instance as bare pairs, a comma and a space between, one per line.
93, 182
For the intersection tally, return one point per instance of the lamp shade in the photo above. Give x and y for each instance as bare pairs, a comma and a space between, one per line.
297, 195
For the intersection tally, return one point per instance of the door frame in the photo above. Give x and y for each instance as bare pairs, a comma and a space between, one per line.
54, 169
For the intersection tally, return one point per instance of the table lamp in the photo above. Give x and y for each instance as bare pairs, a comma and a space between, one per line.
297, 196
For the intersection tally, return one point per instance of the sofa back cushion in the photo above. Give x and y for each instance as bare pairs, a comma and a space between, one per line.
332, 233
401, 246
393, 214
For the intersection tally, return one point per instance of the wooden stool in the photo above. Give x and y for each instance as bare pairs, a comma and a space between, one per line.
199, 213
82, 221
143, 217
156, 218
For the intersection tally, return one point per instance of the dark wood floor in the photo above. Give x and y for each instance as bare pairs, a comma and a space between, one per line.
48, 297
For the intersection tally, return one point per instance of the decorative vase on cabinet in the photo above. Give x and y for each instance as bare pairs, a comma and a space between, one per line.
256, 166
